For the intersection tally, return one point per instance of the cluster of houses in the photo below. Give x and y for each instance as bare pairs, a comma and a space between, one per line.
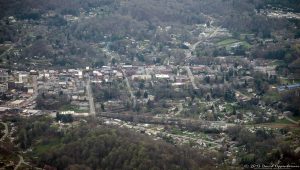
21, 88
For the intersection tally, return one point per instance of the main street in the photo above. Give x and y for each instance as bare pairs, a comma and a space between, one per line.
34, 95
90, 97
129, 89
191, 76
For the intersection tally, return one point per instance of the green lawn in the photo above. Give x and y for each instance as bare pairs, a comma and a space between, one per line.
230, 41
271, 97
3, 49
278, 62
282, 121
72, 108
230, 107
246, 44
289, 81
42, 148
296, 118
227, 42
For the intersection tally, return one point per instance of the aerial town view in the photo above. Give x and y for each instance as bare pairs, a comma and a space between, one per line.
149, 84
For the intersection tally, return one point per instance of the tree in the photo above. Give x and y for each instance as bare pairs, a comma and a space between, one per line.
207, 79
230, 96
208, 97
138, 94
102, 107
145, 95
66, 118
113, 61
142, 85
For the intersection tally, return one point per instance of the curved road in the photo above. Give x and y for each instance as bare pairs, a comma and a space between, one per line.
180, 108
290, 120
21, 161
5, 131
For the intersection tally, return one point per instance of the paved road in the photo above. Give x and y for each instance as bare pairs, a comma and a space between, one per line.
290, 120
129, 89
191, 76
273, 125
34, 95
5, 131
180, 108
148, 73
192, 48
90, 97
190, 138
7, 51
21, 161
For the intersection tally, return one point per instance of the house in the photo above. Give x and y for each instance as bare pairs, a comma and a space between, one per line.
33, 72
31, 112
79, 74
119, 75
178, 84
248, 80
67, 112
97, 73
199, 69
182, 78
4, 109
22, 77
288, 87
4, 77
73, 113
30, 90
3, 87
16, 103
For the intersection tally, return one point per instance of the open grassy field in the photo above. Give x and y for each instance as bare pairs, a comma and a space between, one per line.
282, 121
296, 118
227, 42
230, 41
72, 108
42, 147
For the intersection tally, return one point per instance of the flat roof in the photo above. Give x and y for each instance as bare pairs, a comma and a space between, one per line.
16, 102
2, 109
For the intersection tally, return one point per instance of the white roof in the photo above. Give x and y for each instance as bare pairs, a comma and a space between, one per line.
2, 109
16, 102
177, 84
67, 112
162, 76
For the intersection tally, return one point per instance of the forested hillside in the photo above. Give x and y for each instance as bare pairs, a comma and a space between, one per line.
101, 147
62, 33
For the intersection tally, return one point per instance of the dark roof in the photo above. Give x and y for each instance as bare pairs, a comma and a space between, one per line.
288, 87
